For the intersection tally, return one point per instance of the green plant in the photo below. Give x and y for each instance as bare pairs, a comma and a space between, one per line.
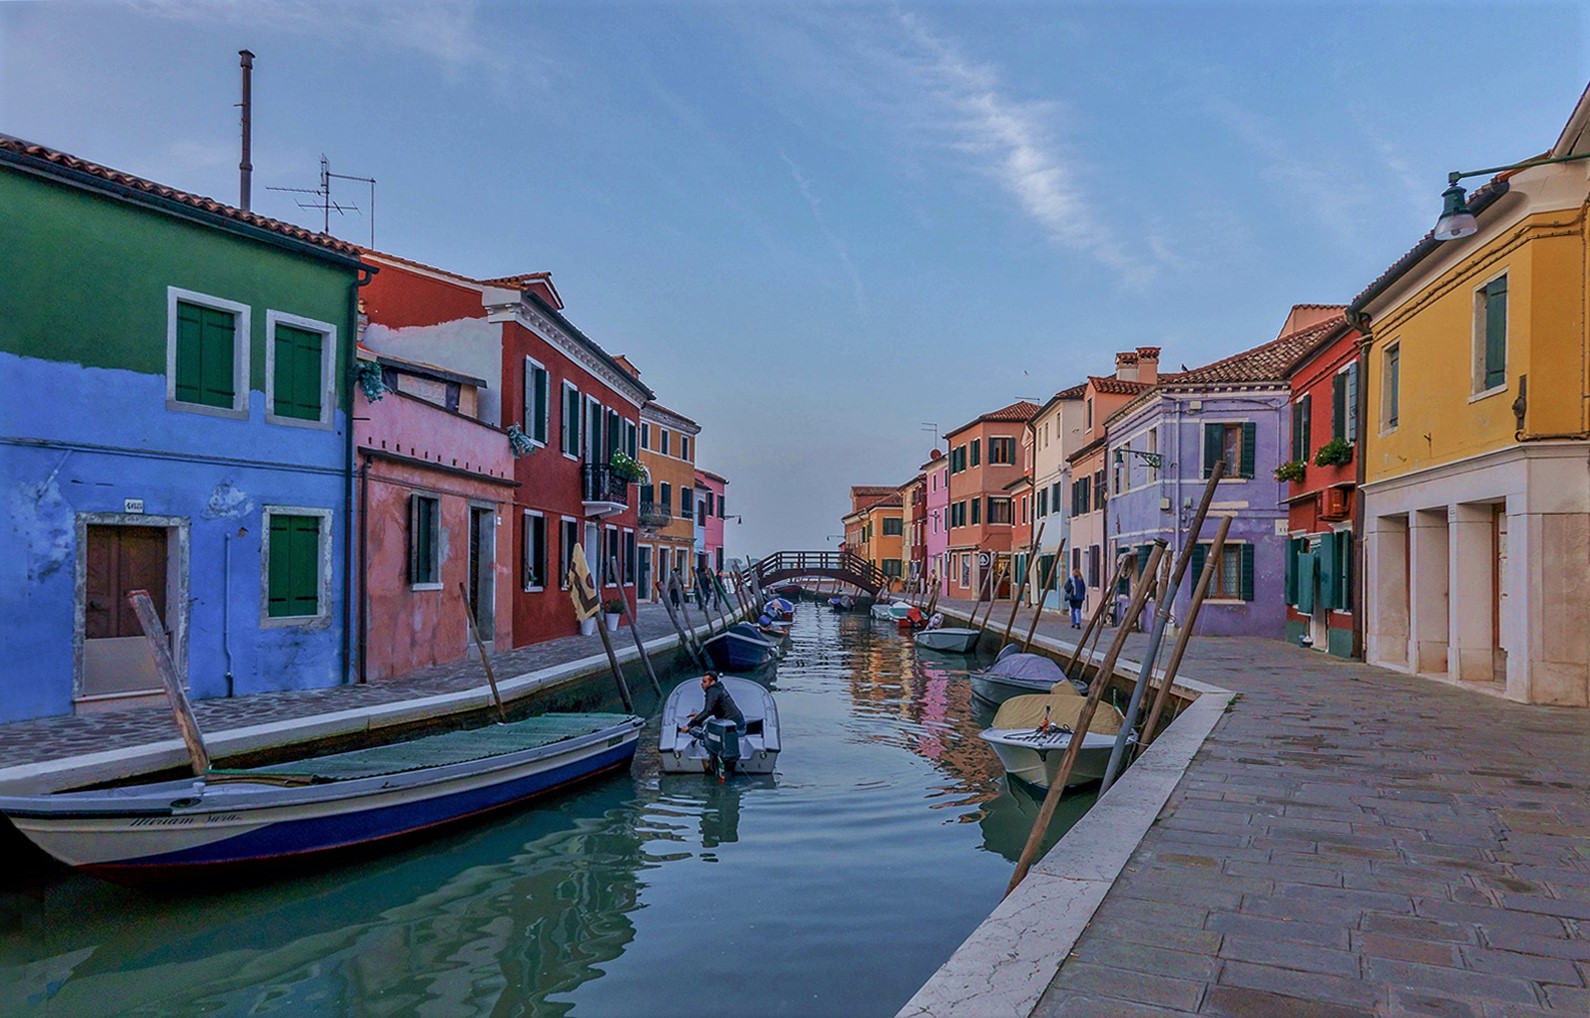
1292, 470
371, 380
519, 442
626, 468
613, 606
1335, 453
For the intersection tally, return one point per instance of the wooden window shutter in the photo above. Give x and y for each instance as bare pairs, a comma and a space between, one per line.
1199, 553
1305, 580
1352, 402
1326, 568
205, 351
1250, 434
1339, 406
1308, 425
1496, 332
1343, 554
1291, 571
1298, 445
1214, 446
297, 379
1247, 571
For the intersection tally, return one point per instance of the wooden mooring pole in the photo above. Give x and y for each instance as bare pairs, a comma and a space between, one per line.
1106, 595
474, 630
155, 633
1185, 636
1026, 580
1043, 595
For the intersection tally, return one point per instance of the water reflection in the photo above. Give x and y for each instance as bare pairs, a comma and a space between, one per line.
885, 838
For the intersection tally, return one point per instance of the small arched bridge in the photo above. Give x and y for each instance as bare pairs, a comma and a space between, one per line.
845, 566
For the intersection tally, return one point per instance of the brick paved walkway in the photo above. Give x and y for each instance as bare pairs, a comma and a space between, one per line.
1350, 841
70, 735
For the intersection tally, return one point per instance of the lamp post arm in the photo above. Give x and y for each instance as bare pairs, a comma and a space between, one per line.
1455, 176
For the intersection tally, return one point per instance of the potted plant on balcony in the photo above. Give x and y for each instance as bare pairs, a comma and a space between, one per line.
1292, 470
613, 609
1337, 452
627, 468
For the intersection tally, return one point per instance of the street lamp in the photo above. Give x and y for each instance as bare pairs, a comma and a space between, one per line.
1457, 221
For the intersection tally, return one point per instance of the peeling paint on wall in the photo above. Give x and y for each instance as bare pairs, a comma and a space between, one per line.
41, 517
227, 502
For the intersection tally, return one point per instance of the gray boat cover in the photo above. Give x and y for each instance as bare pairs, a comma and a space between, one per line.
1033, 668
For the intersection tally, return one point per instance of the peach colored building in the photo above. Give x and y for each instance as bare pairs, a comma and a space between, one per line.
434, 483
984, 460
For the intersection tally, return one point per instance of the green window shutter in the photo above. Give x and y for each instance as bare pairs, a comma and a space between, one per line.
1214, 446
1305, 582
1339, 407
1308, 424
571, 421
1496, 332
1247, 570
645, 494
279, 583
296, 381
1250, 434
1343, 540
613, 436
293, 586
1325, 565
542, 396
1199, 553
1297, 430
205, 350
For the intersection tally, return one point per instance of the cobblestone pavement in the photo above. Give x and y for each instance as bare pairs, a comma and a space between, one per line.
70, 735
1350, 841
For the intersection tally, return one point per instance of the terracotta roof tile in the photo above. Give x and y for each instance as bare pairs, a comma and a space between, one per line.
1075, 392
1267, 362
1021, 410
1480, 199
1116, 386
66, 161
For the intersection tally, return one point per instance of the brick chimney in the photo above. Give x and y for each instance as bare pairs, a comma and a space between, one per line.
1126, 366
1148, 364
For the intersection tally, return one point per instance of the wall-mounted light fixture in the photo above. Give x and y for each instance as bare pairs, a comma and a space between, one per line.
1456, 220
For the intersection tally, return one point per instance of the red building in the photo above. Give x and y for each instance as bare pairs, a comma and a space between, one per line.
1321, 571
914, 494
576, 405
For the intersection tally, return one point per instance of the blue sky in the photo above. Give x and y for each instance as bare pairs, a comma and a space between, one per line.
814, 226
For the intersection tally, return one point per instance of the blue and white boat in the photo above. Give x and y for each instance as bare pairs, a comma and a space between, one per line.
321, 804
758, 744
740, 649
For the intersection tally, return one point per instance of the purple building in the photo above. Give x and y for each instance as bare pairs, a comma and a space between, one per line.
1161, 449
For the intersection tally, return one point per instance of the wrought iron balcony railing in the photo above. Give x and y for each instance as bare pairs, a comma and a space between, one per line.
654, 515
602, 485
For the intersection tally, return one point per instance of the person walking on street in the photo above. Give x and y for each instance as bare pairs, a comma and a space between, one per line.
1076, 592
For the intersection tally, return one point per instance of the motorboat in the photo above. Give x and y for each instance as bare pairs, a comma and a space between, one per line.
893, 611
1015, 673
950, 639
320, 804
757, 746
741, 648
779, 609
842, 603
1031, 733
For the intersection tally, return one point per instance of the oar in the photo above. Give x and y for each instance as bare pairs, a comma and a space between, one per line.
155, 634
474, 630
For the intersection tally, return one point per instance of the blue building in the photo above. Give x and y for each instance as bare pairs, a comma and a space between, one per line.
175, 420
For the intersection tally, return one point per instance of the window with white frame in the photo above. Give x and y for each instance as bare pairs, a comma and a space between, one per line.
663, 446
1391, 381
568, 537
645, 435
296, 565
425, 542
1490, 335
207, 354
999, 510
629, 439
300, 369
533, 573
572, 419
684, 447
536, 396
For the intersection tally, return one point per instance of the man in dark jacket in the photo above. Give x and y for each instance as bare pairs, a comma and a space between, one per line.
719, 704
1076, 592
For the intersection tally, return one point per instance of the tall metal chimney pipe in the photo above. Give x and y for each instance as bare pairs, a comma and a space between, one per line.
246, 166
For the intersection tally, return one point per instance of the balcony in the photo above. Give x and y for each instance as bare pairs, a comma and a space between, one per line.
654, 516
604, 493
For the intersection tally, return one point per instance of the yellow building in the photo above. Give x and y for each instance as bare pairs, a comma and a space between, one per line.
1476, 459
668, 498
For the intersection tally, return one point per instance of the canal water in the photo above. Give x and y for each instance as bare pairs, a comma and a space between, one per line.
835, 887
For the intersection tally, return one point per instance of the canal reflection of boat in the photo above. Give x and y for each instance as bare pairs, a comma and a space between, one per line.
949, 639
321, 804
758, 745
740, 649
1007, 818
1032, 733
493, 919
1016, 674
895, 611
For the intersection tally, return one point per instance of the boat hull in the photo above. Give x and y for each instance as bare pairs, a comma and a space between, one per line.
995, 689
137, 837
732, 652
1036, 759
951, 641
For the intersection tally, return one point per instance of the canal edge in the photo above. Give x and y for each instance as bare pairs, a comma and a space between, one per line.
1003, 967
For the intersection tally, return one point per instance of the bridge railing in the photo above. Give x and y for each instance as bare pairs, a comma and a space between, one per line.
817, 563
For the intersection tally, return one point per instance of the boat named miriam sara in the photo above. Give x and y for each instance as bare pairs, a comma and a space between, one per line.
1031, 734
320, 804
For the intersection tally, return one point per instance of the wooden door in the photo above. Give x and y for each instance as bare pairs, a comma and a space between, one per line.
482, 568
116, 656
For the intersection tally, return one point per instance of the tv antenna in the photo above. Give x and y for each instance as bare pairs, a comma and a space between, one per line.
926, 426
323, 201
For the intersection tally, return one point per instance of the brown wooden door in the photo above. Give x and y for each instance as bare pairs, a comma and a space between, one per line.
116, 656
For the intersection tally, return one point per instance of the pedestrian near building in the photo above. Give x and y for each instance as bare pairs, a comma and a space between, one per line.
1076, 591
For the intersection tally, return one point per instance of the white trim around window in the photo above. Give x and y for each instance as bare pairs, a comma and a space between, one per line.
527, 552
579, 425
240, 352
323, 616
328, 369
531, 365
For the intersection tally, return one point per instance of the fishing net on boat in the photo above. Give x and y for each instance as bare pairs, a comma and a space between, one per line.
1027, 712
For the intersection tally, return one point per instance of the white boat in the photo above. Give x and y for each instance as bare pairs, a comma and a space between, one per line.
759, 743
895, 611
320, 804
1031, 734
951, 639
1016, 674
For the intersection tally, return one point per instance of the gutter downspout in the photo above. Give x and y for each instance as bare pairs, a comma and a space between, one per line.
1360, 321
364, 593
226, 609
362, 278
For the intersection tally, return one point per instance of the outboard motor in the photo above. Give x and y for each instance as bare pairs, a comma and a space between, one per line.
722, 742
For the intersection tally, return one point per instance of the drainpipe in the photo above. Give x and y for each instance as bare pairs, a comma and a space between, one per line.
362, 278
226, 609
1360, 321
363, 581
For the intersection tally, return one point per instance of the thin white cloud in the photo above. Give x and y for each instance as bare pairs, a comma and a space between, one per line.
840, 248
444, 31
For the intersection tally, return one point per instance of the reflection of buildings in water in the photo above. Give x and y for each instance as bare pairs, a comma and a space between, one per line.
431, 931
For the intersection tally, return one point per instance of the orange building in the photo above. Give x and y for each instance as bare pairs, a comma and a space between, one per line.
984, 461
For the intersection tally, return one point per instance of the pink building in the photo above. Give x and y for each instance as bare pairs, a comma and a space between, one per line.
710, 513
937, 531
434, 483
